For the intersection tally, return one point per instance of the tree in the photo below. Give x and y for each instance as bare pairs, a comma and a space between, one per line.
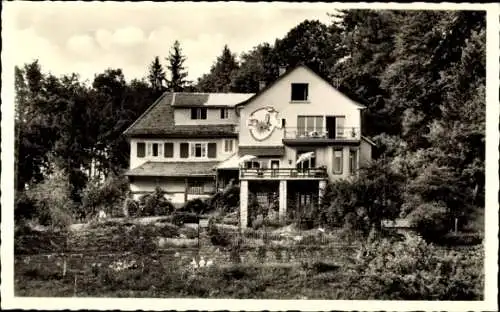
221, 73
156, 75
178, 73
255, 67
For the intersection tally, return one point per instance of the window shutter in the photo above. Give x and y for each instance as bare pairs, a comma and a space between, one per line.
184, 150
141, 149
169, 150
212, 150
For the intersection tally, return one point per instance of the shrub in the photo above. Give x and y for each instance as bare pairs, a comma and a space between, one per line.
189, 232
217, 238
430, 220
225, 201
414, 270
52, 201
196, 206
107, 196
180, 218
258, 222
131, 207
155, 204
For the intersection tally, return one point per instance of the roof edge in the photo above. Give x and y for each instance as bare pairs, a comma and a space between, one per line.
158, 100
368, 140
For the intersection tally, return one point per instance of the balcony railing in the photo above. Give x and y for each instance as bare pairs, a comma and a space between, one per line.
283, 173
341, 133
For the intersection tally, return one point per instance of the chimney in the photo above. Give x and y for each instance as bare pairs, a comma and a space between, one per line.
262, 85
282, 70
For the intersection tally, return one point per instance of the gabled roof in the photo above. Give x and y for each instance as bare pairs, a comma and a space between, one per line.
288, 72
158, 120
174, 169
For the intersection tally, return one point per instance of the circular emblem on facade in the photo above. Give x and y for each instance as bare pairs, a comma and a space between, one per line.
261, 123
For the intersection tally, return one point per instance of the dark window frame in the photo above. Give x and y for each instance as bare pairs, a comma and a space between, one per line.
198, 113
299, 92
141, 152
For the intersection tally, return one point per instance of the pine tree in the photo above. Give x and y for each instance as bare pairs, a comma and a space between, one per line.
178, 73
221, 73
156, 75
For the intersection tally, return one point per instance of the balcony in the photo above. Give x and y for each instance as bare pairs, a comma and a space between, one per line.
307, 136
283, 174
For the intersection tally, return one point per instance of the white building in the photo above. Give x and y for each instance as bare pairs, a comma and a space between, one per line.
282, 144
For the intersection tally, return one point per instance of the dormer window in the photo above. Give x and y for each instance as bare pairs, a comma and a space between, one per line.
300, 92
199, 113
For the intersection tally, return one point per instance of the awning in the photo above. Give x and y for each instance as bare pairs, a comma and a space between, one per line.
262, 150
234, 162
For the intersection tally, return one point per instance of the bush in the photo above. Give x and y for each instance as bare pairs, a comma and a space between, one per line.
51, 199
414, 270
258, 222
225, 201
430, 220
217, 238
107, 196
24, 207
196, 206
155, 204
179, 218
460, 239
131, 207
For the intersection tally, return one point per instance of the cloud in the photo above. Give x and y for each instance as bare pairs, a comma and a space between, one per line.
130, 35
82, 45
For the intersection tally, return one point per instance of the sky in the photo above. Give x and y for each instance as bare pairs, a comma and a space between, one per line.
86, 38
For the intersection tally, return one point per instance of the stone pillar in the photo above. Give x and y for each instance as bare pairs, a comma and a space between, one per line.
243, 204
321, 190
283, 201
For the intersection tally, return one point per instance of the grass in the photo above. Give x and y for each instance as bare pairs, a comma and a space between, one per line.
320, 269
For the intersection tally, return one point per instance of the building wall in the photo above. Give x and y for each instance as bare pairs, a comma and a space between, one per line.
174, 187
183, 117
323, 100
220, 156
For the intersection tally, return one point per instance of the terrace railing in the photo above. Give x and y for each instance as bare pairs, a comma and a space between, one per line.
341, 133
284, 173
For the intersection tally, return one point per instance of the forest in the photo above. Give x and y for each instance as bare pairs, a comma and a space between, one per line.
421, 75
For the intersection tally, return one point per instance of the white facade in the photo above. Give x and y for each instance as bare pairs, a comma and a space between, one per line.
299, 113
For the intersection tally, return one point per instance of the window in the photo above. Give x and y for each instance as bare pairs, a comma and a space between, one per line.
340, 122
168, 150
141, 149
252, 164
353, 162
184, 150
299, 91
224, 113
337, 161
199, 113
195, 187
199, 150
212, 150
283, 122
310, 125
228, 146
153, 149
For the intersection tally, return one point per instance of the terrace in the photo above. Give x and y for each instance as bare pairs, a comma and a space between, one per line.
284, 174
305, 135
